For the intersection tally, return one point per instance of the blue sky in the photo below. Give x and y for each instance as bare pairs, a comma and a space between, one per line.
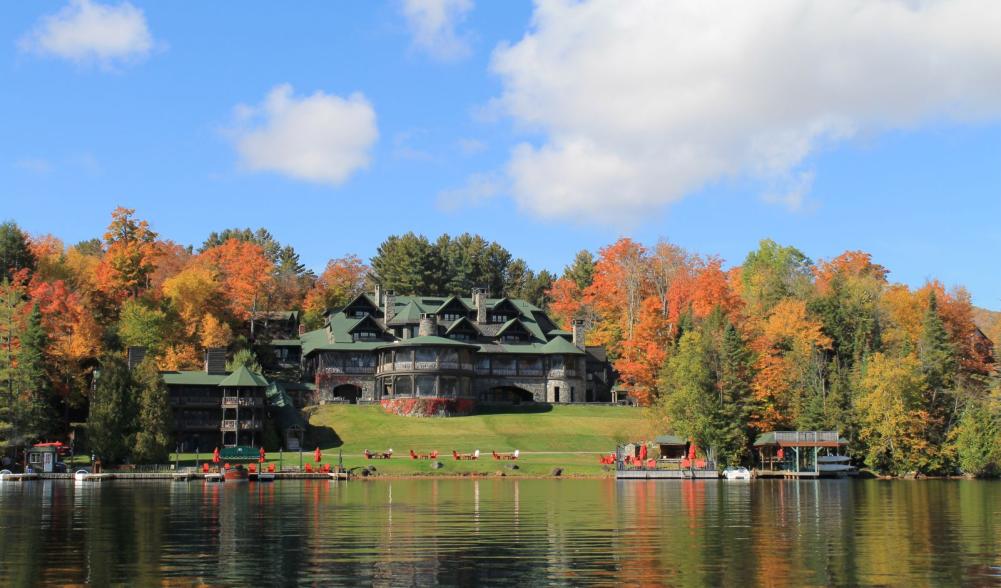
549, 127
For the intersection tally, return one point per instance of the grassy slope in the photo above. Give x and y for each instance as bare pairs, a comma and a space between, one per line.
557, 434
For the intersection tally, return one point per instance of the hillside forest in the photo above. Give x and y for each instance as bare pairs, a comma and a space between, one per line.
715, 352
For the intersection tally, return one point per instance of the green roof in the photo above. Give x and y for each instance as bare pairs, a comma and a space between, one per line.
448, 301
286, 343
192, 378
427, 341
769, 439
561, 346
670, 440
244, 378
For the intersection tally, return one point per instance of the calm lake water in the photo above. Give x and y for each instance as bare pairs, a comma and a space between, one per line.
503, 531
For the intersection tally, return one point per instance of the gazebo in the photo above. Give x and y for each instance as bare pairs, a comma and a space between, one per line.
794, 453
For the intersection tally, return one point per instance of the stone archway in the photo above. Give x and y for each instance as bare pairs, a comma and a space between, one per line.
347, 392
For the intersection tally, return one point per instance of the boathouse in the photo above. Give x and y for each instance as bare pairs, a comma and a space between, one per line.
795, 453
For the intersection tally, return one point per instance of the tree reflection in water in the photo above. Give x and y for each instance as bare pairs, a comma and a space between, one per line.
502, 531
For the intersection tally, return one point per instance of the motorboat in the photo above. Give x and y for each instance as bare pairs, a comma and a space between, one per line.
4, 474
266, 477
833, 463
81, 475
740, 473
237, 474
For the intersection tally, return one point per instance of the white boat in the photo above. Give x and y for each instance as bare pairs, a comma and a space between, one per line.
81, 475
4, 474
737, 473
266, 477
833, 463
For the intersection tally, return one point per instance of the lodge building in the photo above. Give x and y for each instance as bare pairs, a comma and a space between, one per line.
380, 346
489, 350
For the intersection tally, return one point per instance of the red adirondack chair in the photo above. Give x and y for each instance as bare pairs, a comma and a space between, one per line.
271, 468
309, 468
252, 468
205, 468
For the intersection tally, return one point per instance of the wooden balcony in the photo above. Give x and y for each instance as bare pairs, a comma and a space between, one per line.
230, 402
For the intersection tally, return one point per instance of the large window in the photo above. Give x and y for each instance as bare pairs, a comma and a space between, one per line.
504, 365
425, 385
358, 359
426, 355
363, 335
449, 387
531, 366
483, 363
449, 359
403, 386
404, 359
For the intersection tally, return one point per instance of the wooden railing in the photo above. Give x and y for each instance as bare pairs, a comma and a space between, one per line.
228, 425
806, 436
235, 401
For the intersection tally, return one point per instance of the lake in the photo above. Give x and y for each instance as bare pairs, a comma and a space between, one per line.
503, 531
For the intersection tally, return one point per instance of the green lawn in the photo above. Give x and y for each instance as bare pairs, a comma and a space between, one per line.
561, 436
569, 437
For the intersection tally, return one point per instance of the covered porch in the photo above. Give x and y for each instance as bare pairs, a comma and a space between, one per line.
795, 453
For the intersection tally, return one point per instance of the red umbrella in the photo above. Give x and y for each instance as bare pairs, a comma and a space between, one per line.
781, 453
261, 459
317, 456
643, 451
215, 456
692, 449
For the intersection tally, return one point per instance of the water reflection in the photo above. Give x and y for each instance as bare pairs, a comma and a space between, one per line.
496, 531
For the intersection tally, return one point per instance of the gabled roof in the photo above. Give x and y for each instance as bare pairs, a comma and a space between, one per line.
367, 321
505, 303
363, 298
463, 324
670, 440
561, 346
450, 301
244, 378
427, 341
512, 324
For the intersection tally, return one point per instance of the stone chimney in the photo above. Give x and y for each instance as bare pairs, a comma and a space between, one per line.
480, 302
135, 356
215, 360
302, 329
389, 308
428, 326
577, 326
377, 294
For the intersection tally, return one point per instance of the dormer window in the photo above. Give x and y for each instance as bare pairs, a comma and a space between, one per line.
460, 336
359, 314
511, 338
498, 318
451, 316
364, 335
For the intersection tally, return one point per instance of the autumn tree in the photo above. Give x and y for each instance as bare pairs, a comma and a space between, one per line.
620, 285
246, 275
772, 273
892, 422
341, 281
977, 438
130, 253
143, 325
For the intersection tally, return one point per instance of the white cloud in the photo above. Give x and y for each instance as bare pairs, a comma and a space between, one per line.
85, 31
433, 24
471, 146
792, 191
35, 165
479, 188
321, 138
640, 103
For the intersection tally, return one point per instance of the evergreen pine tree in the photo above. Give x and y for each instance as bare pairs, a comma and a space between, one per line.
34, 414
153, 422
15, 254
111, 423
939, 365
734, 386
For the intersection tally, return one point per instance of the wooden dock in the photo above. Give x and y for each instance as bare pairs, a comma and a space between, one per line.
18, 477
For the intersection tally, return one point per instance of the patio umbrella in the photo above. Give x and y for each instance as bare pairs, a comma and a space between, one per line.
643, 452
317, 456
261, 458
215, 456
781, 454
692, 450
